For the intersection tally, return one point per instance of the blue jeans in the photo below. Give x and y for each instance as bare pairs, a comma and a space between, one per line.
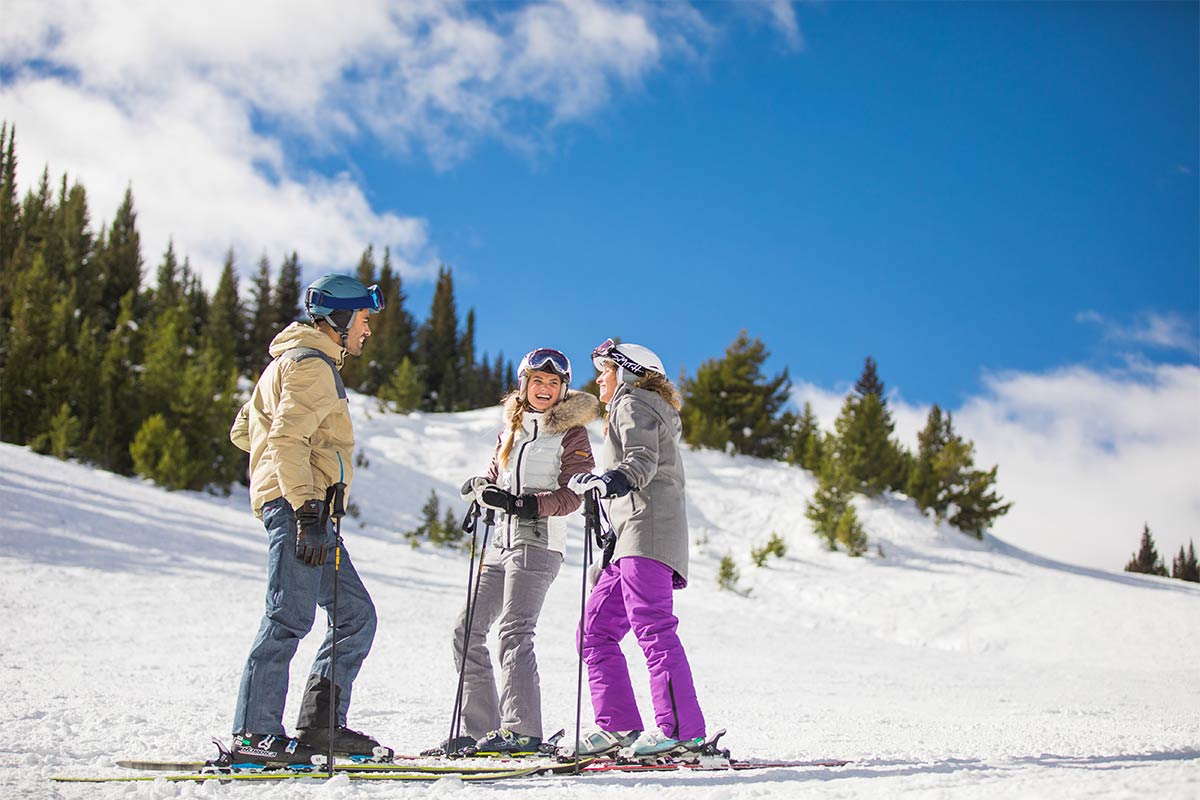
294, 590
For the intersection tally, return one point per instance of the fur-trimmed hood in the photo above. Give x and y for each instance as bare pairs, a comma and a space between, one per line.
576, 409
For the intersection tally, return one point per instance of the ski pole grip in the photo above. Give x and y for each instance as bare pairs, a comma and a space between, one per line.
337, 508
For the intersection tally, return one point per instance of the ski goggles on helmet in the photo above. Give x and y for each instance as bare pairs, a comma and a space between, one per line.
608, 352
547, 359
318, 299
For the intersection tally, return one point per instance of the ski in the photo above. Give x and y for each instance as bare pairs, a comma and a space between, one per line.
708, 757
461, 765
357, 763
316, 774
707, 765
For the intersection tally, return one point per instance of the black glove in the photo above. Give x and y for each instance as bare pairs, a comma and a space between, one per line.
611, 484
310, 533
525, 506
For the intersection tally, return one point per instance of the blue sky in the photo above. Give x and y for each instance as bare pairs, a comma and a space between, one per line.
998, 202
945, 187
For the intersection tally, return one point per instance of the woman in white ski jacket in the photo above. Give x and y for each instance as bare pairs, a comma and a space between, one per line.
543, 444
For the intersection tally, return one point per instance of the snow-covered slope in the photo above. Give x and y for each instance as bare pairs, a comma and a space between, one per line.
940, 665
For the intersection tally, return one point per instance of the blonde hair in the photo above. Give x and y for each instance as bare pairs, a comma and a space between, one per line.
515, 421
661, 385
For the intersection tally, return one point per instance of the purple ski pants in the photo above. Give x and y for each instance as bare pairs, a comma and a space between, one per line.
635, 594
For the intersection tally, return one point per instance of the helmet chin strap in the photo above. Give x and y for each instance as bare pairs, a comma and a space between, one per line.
343, 333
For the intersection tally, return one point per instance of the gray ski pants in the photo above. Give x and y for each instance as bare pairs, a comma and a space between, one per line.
512, 588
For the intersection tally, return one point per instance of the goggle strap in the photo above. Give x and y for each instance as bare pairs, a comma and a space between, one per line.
316, 297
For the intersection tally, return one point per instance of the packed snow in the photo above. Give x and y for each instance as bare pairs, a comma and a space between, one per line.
939, 665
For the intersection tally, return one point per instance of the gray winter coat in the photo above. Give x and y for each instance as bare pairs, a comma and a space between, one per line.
642, 441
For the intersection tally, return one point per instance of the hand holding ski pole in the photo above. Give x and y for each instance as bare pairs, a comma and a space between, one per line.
524, 506
611, 484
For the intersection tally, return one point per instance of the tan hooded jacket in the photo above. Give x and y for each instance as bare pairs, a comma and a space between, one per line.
296, 424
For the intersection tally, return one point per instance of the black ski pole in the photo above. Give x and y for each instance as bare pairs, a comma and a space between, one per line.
591, 525
489, 519
336, 512
470, 525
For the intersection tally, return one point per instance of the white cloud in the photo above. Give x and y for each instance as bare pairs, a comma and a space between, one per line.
1169, 331
784, 18
203, 107
208, 187
1087, 457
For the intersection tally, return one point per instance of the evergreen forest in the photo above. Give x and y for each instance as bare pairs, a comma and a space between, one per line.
140, 371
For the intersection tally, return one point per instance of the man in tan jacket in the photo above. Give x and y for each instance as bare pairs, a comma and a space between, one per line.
297, 428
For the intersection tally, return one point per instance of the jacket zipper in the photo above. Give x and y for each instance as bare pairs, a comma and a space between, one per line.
517, 476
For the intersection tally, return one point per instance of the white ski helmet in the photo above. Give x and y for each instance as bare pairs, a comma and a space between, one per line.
632, 360
544, 359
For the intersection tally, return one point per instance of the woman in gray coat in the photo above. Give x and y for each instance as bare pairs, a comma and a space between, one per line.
543, 444
644, 484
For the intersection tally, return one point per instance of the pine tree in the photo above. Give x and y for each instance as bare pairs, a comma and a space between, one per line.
119, 396
286, 294
924, 487
438, 343
168, 342
828, 506
195, 299
159, 453
869, 383
205, 401
167, 293
76, 246
430, 525
943, 478
63, 436
262, 321
469, 383
804, 441
849, 532
1184, 566
29, 345
392, 331
730, 403
403, 392
119, 258
10, 212
1146, 560
225, 329
863, 443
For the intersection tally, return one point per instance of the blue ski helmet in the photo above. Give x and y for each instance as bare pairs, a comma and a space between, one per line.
335, 298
